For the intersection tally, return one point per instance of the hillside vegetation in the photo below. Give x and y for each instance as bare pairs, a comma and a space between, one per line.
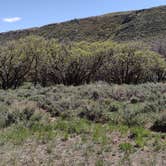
48, 62
75, 93
94, 124
133, 25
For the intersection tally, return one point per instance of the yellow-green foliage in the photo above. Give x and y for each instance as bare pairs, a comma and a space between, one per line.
48, 62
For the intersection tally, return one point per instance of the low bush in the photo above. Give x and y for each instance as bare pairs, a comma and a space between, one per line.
126, 147
94, 112
160, 124
98, 102
6, 117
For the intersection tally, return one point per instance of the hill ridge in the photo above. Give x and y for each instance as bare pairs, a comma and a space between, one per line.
121, 26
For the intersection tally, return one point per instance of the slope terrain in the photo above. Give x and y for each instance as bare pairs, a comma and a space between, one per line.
95, 124
122, 26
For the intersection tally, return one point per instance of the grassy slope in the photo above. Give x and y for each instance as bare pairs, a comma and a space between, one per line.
121, 137
121, 26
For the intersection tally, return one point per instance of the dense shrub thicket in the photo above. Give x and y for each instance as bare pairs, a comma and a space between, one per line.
132, 105
48, 62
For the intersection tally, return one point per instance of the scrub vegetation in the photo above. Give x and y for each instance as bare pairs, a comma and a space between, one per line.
95, 124
85, 92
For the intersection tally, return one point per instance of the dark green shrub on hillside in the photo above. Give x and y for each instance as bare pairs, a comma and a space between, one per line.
94, 112
26, 114
134, 100
134, 115
150, 107
114, 106
160, 124
20, 112
6, 117
130, 118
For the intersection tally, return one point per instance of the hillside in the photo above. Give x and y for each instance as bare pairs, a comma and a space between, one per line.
92, 97
132, 25
95, 125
